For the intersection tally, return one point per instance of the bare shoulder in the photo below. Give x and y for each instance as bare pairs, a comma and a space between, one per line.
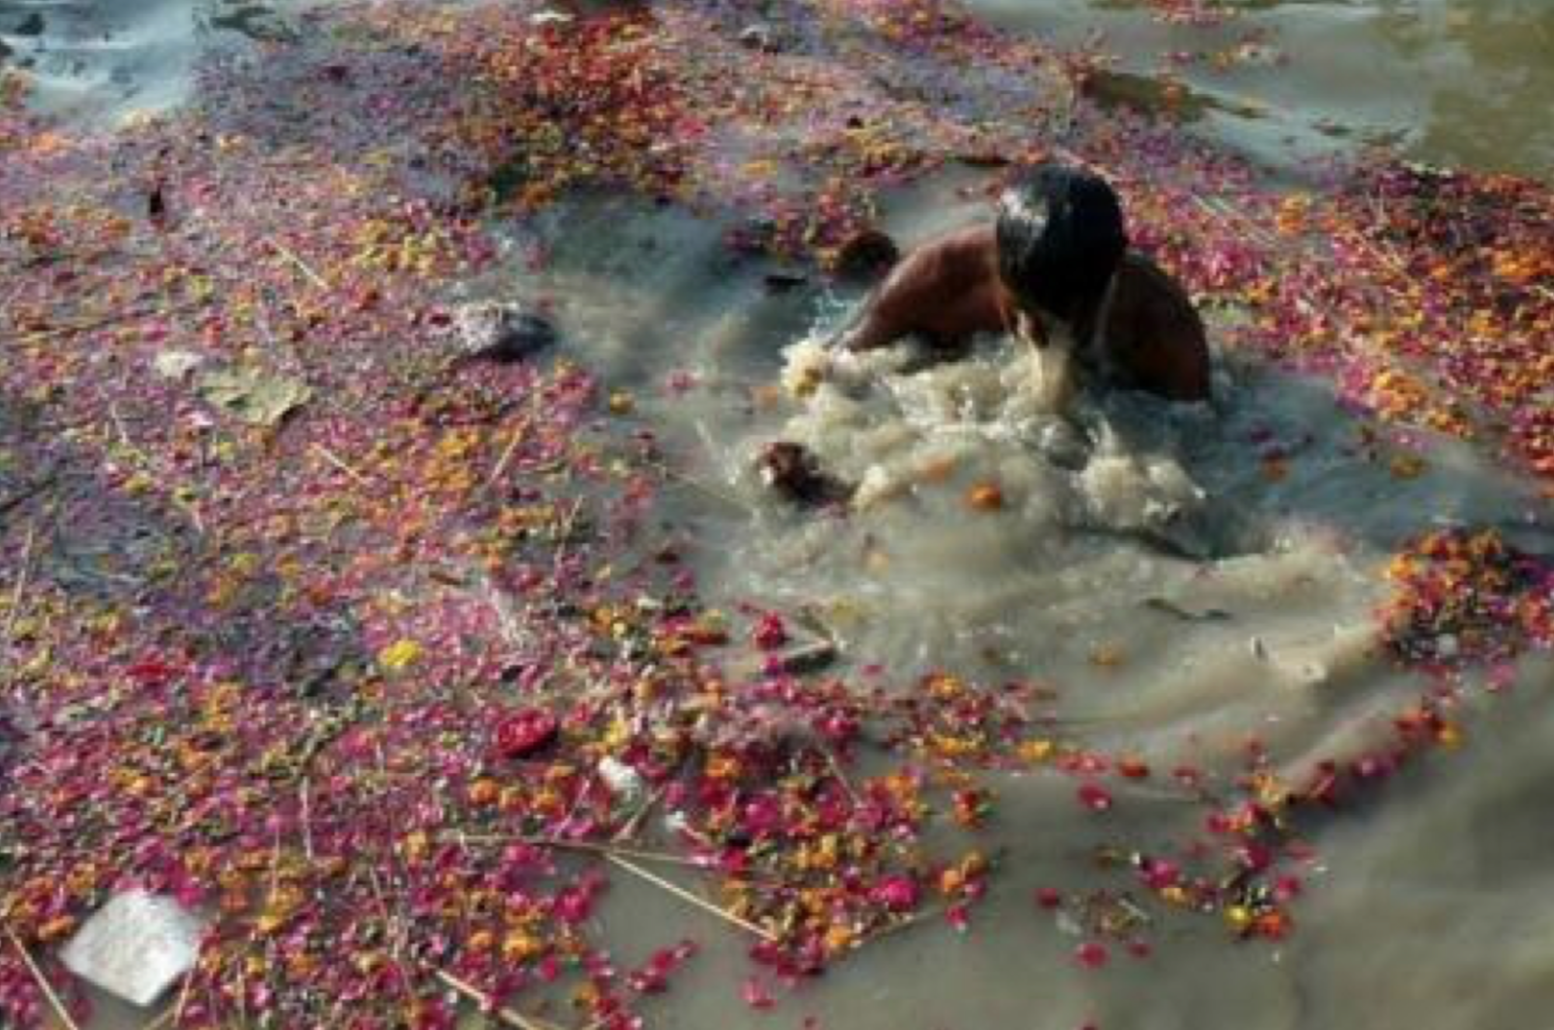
940, 289
1150, 302
951, 259
1146, 282
1155, 332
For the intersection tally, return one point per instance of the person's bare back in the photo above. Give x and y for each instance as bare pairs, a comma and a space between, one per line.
1150, 337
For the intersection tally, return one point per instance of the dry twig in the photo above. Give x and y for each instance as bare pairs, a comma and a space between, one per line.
28, 492
339, 463
630, 827
481, 998
22, 577
43, 981
305, 800
507, 454
589, 846
307, 270
39, 335
694, 899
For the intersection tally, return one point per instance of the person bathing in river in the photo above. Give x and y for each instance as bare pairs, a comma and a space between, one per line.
1054, 270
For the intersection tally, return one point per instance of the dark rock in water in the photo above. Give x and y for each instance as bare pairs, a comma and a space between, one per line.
792, 470
759, 36
32, 25
982, 159
257, 22
866, 255
783, 280
493, 331
509, 177
11, 735
807, 657
5, 51
156, 203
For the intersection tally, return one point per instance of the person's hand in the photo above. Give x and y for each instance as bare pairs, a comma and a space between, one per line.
1030, 329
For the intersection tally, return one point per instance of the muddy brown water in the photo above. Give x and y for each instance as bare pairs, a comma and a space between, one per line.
1428, 909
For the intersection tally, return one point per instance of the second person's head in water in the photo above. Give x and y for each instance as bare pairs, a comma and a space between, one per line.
1060, 237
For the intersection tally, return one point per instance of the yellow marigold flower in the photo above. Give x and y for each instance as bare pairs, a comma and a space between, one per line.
399, 655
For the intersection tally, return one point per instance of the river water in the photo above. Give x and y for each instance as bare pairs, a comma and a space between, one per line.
1141, 556
1142, 559
1466, 82
1459, 82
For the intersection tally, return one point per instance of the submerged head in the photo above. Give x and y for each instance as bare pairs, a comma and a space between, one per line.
1060, 237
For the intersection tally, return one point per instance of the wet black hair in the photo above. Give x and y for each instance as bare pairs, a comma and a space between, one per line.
1060, 237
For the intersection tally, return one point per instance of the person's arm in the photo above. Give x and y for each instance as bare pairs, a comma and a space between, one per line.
886, 313
873, 328
945, 290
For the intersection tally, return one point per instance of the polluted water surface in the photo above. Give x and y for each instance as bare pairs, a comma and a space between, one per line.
1192, 580
1187, 582
104, 65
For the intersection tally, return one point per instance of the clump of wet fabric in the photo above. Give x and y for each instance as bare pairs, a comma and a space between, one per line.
953, 432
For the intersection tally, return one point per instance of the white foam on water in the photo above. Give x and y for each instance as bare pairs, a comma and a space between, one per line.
995, 420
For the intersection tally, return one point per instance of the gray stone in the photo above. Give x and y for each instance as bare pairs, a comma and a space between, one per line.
136, 946
759, 36
492, 331
807, 656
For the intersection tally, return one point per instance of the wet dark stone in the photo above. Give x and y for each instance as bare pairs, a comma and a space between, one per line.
792, 470
501, 332
866, 255
782, 281
759, 37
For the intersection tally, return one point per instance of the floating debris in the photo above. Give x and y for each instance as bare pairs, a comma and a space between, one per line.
867, 254
1169, 607
177, 364
759, 36
136, 946
345, 837
252, 396
793, 471
496, 331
